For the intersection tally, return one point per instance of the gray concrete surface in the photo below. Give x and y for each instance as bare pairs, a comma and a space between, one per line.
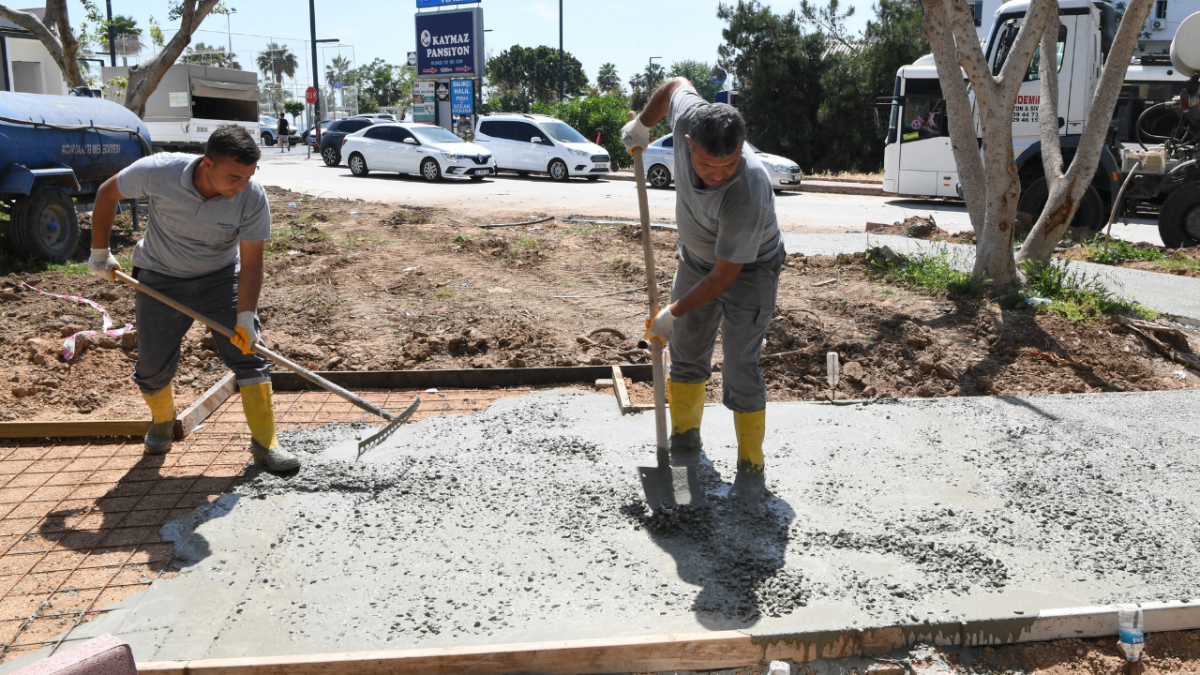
525, 522
797, 211
1167, 293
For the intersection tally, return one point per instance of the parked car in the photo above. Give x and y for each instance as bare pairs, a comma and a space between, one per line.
660, 163
310, 138
269, 131
331, 138
387, 117
432, 152
541, 144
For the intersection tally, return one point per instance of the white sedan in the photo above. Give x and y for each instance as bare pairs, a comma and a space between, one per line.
660, 163
422, 149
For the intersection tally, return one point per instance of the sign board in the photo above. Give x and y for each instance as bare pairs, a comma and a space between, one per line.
336, 85
450, 44
178, 99
310, 95
424, 101
718, 75
443, 91
440, 3
462, 97
412, 58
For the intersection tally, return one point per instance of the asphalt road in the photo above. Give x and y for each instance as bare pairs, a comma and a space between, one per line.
508, 193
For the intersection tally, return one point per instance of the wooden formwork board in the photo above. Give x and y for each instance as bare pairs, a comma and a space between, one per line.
186, 422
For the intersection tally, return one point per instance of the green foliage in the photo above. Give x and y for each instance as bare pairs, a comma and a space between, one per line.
932, 270
808, 87
1072, 292
339, 70
699, 74
209, 55
607, 113
156, 34
520, 76
608, 81
383, 84
293, 108
276, 61
1120, 251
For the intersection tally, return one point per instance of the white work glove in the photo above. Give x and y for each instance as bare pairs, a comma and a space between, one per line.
246, 334
635, 135
102, 263
660, 328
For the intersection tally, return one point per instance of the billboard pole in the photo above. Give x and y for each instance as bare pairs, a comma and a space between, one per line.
560, 51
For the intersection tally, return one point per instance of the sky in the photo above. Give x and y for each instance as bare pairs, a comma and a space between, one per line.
623, 32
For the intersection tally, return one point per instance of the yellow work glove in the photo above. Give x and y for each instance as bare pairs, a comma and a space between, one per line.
660, 328
246, 333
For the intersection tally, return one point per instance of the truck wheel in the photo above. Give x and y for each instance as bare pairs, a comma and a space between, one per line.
45, 225
1179, 218
1089, 215
331, 156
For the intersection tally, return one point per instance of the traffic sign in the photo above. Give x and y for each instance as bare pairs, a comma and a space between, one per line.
336, 85
718, 75
412, 58
310, 95
443, 91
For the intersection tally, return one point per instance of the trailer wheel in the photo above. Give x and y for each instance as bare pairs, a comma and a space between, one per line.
1179, 218
45, 225
1089, 215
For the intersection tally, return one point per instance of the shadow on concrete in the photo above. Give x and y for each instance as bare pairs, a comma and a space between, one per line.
131, 514
735, 552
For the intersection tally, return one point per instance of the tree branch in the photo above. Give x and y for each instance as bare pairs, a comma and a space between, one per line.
1052, 160
144, 79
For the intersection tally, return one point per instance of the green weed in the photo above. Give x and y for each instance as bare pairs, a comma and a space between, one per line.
933, 270
1073, 294
527, 243
581, 229
445, 293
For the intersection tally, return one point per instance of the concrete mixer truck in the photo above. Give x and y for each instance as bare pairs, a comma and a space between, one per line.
1156, 123
55, 150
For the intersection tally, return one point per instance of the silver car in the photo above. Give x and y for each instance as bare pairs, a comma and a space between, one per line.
660, 162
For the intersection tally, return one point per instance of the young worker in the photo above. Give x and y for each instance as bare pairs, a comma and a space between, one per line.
203, 247
730, 255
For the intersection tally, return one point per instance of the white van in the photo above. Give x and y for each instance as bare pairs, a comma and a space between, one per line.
540, 144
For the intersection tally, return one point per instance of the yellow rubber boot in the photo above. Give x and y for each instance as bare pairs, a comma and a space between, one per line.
162, 415
750, 482
686, 400
260, 416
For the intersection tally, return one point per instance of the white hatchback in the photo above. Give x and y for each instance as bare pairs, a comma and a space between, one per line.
541, 144
660, 164
422, 149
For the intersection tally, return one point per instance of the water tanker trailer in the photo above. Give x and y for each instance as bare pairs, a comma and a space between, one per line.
54, 150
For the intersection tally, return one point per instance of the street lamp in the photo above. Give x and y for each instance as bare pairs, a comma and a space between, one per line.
560, 51
650, 74
229, 35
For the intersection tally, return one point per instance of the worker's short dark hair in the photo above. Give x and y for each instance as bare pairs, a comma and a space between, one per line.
718, 128
231, 140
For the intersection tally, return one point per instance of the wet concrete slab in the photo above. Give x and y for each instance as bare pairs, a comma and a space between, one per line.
526, 522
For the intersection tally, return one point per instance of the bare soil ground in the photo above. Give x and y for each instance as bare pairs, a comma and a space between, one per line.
367, 286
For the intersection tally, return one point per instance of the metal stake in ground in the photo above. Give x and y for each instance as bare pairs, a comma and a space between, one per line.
664, 484
393, 421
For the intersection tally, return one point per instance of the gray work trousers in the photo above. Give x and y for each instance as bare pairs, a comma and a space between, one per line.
160, 329
742, 312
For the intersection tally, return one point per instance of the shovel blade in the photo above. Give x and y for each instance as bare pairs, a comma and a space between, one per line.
671, 486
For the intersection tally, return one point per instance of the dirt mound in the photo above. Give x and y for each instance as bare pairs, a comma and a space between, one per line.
922, 227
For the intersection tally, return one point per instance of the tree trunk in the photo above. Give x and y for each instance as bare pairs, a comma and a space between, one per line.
144, 78
64, 57
987, 172
1066, 190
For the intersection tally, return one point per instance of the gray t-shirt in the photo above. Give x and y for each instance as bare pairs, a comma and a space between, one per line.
188, 236
734, 221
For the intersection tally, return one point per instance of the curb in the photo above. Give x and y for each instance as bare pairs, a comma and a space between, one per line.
696, 651
842, 187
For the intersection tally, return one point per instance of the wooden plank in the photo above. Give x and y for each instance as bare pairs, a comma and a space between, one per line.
204, 406
619, 389
74, 428
472, 378
699, 651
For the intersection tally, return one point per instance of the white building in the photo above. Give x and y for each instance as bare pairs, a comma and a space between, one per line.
1165, 17
25, 65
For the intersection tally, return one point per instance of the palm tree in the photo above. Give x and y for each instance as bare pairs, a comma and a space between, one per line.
126, 38
209, 55
654, 76
338, 70
276, 61
607, 79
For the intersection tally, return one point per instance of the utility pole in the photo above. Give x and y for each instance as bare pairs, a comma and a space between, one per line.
112, 45
229, 36
560, 51
312, 31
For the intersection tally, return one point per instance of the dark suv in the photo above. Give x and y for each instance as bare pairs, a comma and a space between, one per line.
331, 138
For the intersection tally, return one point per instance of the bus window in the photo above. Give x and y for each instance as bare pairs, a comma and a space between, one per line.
924, 111
894, 117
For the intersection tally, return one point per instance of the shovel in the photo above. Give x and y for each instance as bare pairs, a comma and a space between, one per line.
664, 485
393, 421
